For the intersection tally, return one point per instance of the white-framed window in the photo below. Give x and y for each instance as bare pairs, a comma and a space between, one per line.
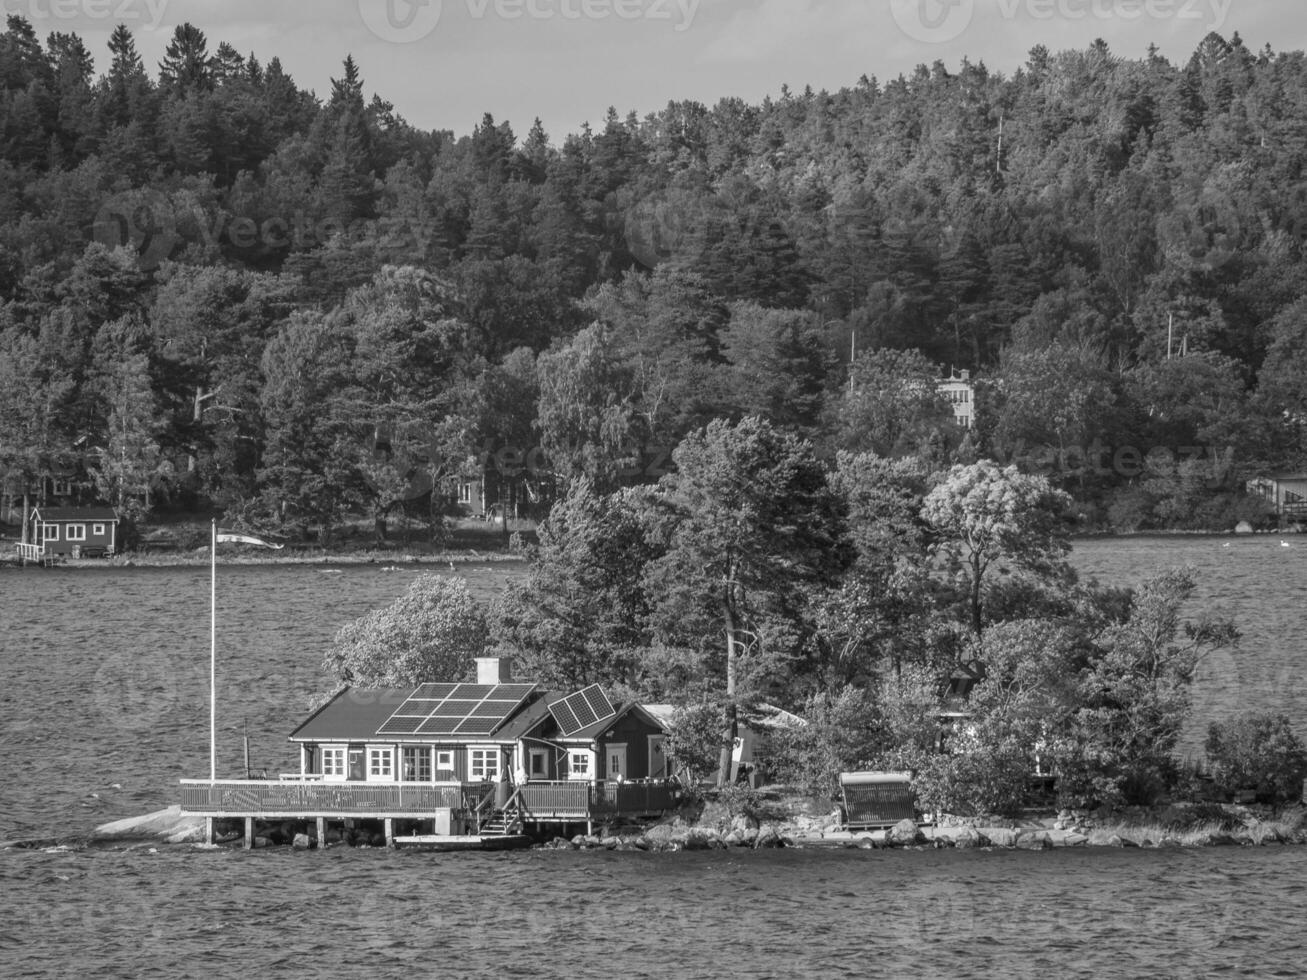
482, 764
444, 760
416, 764
333, 762
76, 532
465, 493
579, 764
97, 530
381, 762
49, 532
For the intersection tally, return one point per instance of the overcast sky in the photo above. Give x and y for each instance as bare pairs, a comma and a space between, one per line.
443, 63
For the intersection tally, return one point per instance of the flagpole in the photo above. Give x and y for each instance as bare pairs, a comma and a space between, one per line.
213, 651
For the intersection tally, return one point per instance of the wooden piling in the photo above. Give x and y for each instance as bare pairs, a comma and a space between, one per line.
208, 830
249, 832
390, 832
322, 832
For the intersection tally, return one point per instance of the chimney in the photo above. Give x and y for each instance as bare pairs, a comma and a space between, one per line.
494, 670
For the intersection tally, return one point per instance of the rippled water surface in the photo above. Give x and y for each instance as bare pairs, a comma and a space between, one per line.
104, 705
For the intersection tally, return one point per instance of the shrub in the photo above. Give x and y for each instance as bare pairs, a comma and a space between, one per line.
842, 731
694, 741
1258, 752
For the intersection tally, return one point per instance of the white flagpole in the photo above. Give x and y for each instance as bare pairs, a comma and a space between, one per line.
213, 651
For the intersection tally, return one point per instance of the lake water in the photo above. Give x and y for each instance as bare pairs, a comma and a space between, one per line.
104, 705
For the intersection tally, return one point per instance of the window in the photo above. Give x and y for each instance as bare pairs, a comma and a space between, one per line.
578, 765
444, 760
465, 493
49, 532
97, 530
417, 764
333, 762
76, 532
483, 765
381, 763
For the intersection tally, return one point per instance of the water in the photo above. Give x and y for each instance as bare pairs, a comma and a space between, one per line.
104, 706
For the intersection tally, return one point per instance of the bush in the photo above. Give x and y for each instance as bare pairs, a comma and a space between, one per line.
1258, 752
842, 732
694, 741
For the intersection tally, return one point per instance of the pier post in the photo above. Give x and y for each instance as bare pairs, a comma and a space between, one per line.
390, 832
322, 832
208, 830
249, 832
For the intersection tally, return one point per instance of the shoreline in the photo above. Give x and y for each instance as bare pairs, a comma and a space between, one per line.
169, 827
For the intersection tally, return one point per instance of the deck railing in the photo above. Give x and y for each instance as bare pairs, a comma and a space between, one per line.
311, 796
31, 552
285, 798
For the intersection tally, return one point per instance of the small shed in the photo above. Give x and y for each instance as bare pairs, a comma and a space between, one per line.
876, 799
1285, 492
78, 532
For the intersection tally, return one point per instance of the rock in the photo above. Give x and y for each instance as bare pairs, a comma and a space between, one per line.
663, 832
969, 838
262, 842
610, 843
769, 839
1116, 840
906, 832
1075, 840
578, 840
1243, 527
734, 839
1037, 841
302, 842
1002, 837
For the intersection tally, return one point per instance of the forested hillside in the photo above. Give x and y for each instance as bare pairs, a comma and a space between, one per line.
221, 289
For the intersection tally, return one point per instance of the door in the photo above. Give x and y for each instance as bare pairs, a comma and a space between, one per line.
539, 768
616, 762
657, 757
357, 767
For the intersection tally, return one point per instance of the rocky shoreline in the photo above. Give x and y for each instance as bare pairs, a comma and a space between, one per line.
712, 829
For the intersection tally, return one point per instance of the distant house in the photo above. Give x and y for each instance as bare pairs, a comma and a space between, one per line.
79, 532
1286, 493
961, 394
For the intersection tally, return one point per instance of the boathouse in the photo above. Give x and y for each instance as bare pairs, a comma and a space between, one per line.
468, 760
1286, 493
77, 532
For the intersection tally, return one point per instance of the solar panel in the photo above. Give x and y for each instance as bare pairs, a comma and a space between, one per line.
403, 726
463, 709
582, 709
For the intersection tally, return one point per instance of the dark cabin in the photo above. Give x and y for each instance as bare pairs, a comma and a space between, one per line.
78, 532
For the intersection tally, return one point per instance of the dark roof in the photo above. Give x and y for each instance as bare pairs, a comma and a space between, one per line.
352, 715
75, 513
528, 718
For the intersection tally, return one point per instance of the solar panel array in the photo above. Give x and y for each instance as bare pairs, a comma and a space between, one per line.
456, 709
581, 710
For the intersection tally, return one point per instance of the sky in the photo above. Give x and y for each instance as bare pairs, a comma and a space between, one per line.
443, 64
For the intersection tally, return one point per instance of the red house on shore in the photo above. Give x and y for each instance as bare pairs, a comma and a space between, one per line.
496, 756
77, 532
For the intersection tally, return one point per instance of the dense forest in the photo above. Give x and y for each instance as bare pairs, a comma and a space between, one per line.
220, 290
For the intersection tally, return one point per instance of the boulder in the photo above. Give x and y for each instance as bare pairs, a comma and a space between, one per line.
302, 842
1243, 527
262, 842
1036, 841
1002, 837
1116, 840
970, 838
906, 832
1075, 840
610, 843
